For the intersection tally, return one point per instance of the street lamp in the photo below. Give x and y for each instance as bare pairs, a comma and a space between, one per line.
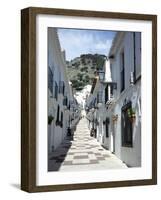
101, 75
112, 84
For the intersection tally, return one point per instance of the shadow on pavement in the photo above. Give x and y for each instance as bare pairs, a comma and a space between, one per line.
56, 158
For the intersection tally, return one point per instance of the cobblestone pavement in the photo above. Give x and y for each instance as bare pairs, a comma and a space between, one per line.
82, 153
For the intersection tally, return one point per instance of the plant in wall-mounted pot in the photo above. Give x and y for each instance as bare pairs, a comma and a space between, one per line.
114, 118
50, 119
131, 114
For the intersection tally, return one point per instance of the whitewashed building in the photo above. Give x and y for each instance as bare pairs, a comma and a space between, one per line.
82, 95
114, 106
62, 106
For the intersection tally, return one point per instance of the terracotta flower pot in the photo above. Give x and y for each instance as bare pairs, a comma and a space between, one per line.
132, 119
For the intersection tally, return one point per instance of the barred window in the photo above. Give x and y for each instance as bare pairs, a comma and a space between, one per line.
107, 127
62, 117
106, 94
58, 110
50, 80
126, 126
137, 55
56, 91
122, 72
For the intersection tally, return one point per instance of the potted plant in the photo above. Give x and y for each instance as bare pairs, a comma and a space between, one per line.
50, 119
131, 114
114, 118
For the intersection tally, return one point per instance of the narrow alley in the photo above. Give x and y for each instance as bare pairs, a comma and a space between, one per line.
82, 152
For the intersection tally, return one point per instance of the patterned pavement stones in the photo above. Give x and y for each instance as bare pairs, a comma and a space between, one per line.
82, 153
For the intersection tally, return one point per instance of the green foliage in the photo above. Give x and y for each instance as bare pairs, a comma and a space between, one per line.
50, 119
131, 112
82, 71
86, 78
80, 76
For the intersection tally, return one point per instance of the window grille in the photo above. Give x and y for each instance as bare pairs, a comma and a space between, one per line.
56, 91
122, 72
107, 127
50, 80
126, 126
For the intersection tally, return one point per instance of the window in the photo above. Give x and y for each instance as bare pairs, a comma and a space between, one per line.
56, 91
57, 118
106, 94
61, 122
61, 87
107, 127
122, 72
126, 126
137, 55
65, 101
111, 91
50, 80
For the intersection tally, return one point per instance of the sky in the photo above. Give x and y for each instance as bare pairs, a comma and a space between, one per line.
76, 41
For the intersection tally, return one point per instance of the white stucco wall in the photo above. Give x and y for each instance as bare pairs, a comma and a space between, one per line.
56, 62
124, 42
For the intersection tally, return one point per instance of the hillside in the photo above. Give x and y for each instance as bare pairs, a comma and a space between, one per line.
81, 70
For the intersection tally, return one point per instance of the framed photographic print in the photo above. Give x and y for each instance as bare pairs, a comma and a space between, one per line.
88, 99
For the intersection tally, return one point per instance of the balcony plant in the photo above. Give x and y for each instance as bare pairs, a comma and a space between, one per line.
50, 119
131, 114
114, 118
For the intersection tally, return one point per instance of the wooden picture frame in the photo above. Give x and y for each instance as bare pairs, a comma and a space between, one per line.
28, 98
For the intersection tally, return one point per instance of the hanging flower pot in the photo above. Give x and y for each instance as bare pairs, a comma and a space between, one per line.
50, 119
132, 119
114, 118
131, 114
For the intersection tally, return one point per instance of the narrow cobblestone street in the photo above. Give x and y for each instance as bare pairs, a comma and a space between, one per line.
82, 153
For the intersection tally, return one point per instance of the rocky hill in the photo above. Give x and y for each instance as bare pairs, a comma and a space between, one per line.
81, 70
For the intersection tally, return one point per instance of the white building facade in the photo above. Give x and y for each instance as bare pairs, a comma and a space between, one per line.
62, 106
114, 106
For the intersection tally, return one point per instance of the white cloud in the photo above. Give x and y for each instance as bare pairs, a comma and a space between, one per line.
77, 42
